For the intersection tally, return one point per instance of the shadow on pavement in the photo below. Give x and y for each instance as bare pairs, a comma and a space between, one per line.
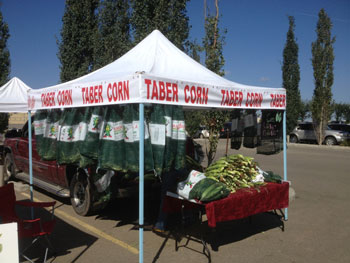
125, 211
236, 230
64, 239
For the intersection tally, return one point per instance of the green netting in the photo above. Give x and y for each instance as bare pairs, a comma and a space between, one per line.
157, 129
179, 136
112, 147
49, 141
93, 116
39, 129
131, 139
170, 146
73, 130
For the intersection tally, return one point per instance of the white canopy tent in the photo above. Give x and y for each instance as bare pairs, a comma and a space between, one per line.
156, 71
14, 96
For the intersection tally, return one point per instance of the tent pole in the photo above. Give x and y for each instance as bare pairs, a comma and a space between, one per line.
285, 155
141, 179
30, 158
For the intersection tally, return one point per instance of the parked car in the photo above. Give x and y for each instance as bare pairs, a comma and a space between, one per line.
340, 127
304, 132
202, 132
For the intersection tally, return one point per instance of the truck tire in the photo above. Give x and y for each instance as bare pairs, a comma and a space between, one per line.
9, 168
80, 194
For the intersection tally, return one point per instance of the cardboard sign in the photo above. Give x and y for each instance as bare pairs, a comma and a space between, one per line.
9, 243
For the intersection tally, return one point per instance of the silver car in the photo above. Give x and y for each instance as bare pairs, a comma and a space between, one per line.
304, 132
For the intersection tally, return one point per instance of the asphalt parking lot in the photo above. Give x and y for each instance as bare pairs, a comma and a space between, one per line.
318, 228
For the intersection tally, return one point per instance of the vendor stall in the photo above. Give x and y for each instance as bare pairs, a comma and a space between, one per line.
156, 72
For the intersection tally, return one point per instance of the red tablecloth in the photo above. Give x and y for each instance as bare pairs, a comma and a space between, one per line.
241, 204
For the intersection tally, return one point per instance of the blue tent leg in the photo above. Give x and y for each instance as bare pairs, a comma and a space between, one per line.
285, 155
141, 179
30, 158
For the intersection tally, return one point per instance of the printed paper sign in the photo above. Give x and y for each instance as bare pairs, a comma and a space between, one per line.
168, 125
113, 131
95, 123
39, 127
157, 132
73, 133
51, 130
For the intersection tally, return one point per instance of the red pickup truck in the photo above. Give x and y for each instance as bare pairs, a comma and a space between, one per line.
68, 181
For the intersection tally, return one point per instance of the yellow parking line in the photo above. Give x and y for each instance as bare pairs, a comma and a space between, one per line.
92, 229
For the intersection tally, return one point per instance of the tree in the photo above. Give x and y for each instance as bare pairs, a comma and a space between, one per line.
113, 38
305, 109
339, 111
193, 120
347, 113
4, 65
214, 60
322, 62
168, 16
342, 112
79, 29
213, 43
291, 77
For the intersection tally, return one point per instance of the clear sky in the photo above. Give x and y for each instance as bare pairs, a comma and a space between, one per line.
256, 35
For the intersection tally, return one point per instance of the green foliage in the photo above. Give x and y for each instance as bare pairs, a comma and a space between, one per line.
213, 43
346, 113
113, 37
305, 110
4, 122
168, 16
342, 112
4, 66
193, 49
291, 77
4, 52
214, 120
193, 120
322, 62
76, 48
345, 143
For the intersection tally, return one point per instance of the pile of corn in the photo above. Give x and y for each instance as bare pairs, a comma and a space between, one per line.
235, 171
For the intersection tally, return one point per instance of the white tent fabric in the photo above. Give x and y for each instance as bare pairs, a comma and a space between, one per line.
14, 96
156, 71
